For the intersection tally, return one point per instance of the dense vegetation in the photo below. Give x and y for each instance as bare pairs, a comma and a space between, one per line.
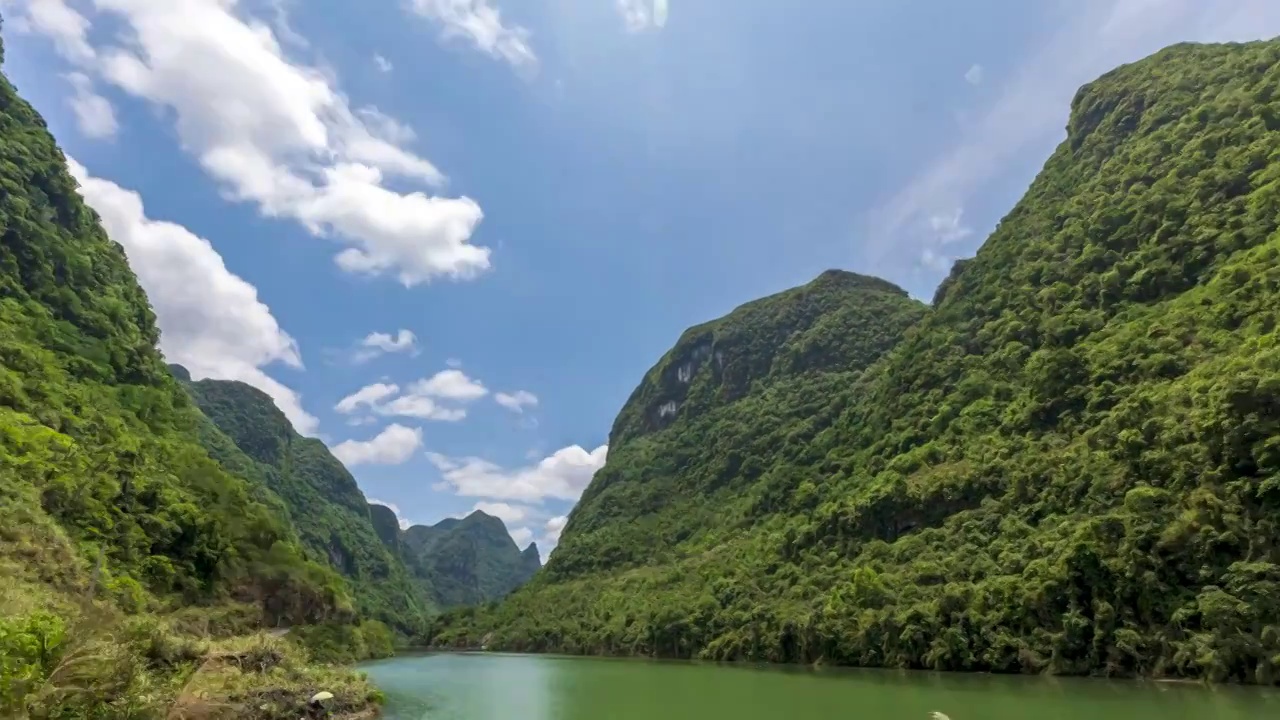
320, 497
467, 561
1070, 463
136, 568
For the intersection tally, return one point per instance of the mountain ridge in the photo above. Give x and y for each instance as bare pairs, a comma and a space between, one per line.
470, 560
1067, 464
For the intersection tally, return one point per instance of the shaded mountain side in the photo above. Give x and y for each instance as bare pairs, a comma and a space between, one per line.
321, 497
466, 561
1070, 464
129, 556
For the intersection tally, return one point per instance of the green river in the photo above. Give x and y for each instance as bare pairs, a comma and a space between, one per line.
528, 687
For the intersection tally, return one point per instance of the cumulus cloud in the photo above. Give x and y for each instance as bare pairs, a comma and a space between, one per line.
435, 398
516, 401
640, 15
451, 384
368, 396
393, 446
1029, 110
973, 75
379, 343
383, 64
562, 476
94, 115
479, 23
273, 131
211, 320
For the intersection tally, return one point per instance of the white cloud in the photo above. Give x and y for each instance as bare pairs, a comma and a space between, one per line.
383, 64
505, 512
521, 536
403, 340
400, 518
59, 22
973, 75
481, 24
948, 228
427, 399
276, 132
450, 384
562, 476
453, 363
393, 446
517, 400
379, 343
554, 527
640, 15
211, 321
94, 114
419, 406
1029, 110
368, 396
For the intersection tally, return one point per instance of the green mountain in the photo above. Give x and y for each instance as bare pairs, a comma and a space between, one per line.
131, 559
1069, 463
321, 498
468, 561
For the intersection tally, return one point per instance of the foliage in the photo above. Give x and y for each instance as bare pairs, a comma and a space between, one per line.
1069, 464
114, 514
468, 561
321, 497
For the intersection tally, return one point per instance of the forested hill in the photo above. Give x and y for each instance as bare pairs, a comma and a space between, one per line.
1070, 463
397, 576
320, 496
134, 565
468, 561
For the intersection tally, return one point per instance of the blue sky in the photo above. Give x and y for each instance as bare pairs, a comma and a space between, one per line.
449, 236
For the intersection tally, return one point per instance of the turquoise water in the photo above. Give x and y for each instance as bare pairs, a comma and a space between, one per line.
527, 687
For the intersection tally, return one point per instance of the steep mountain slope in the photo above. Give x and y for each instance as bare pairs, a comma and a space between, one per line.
120, 536
467, 561
1071, 464
693, 445
319, 495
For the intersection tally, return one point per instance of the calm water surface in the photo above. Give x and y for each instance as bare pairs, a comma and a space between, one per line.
526, 687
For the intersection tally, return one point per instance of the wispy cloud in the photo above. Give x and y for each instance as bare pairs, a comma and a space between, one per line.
481, 24
517, 401
94, 115
641, 15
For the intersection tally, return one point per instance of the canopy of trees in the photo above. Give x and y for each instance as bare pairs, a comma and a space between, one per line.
1068, 463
